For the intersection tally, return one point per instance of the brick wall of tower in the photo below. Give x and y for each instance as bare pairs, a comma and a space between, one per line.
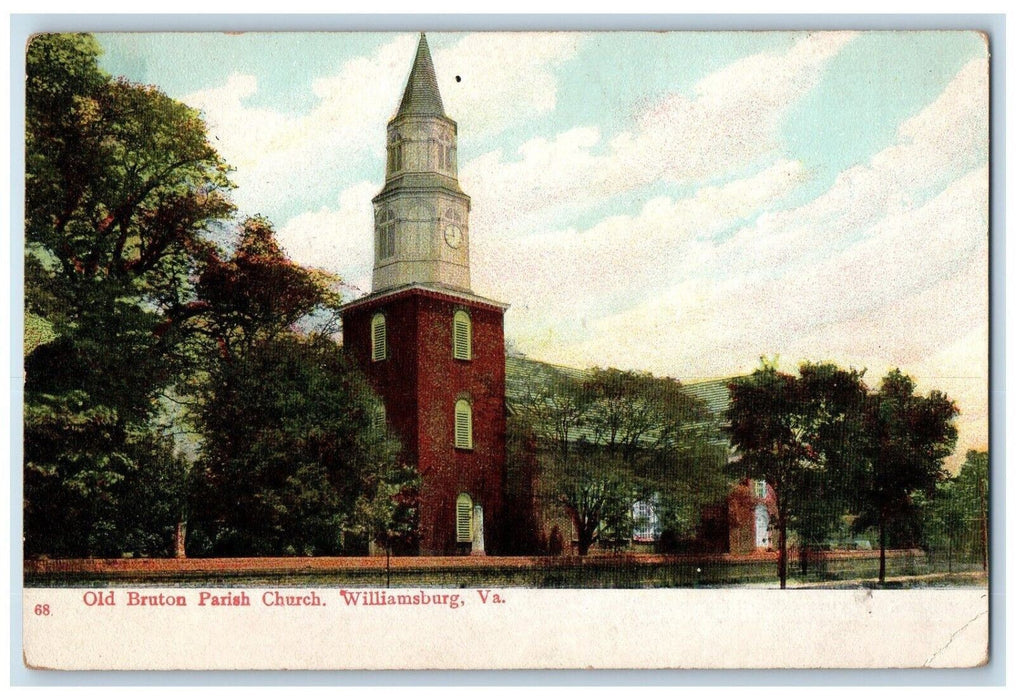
420, 383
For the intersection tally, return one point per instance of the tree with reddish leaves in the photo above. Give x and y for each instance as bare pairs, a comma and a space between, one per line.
292, 445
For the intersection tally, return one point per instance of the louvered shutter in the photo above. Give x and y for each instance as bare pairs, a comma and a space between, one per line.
464, 518
463, 425
462, 345
378, 421
379, 338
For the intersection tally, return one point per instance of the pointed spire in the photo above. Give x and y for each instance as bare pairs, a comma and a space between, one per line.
421, 96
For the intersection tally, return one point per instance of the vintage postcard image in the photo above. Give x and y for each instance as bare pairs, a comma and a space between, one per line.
506, 350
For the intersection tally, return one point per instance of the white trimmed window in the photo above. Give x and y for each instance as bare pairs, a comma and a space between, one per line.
462, 336
378, 338
386, 226
647, 521
463, 425
464, 518
760, 489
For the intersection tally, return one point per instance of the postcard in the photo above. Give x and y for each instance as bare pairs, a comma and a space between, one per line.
506, 350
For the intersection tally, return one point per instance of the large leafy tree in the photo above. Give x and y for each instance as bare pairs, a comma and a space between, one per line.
292, 445
609, 438
956, 517
666, 440
794, 432
972, 491
906, 440
122, 189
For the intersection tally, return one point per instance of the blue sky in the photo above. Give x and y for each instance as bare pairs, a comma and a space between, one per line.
677, 202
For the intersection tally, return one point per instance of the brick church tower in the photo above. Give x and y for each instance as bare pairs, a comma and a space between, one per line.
432, 349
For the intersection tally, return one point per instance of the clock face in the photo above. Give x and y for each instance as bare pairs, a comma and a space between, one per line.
453, 235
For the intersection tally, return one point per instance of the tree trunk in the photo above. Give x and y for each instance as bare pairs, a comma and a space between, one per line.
585, 541
781, 564
881, 554
804, 560
180, 540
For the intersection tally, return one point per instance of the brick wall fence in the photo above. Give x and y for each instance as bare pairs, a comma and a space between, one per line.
594, 571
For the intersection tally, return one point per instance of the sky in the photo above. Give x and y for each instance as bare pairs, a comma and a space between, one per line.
682, 202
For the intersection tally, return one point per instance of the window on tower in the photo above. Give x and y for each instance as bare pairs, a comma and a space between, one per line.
378, 338
462, 336
395, 152
452, 214
463, 425
463, 518
449, 156
386, 227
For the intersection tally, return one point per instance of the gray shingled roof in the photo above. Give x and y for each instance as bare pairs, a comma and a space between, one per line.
715, 393
518, 370
421, 97
522, 372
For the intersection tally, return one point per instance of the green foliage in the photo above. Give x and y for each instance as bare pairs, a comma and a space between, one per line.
904, 441
956, 517
93, 486
289, 448
121, 189
291, 454
612, 438
386, 511
796, 434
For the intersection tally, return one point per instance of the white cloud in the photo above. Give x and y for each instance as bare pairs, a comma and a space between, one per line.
275, 153
623, 254
505, 77
336, 239
730, 122
887, 268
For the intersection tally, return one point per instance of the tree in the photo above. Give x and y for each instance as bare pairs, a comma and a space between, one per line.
972, 488
386, 511
290, 430
956, 516
793, 432
611, 438
906, 440
122, 190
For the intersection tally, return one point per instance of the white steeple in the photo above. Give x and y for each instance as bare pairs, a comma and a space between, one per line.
421, 216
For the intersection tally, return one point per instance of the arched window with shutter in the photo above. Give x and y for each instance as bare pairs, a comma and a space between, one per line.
378, 338
464, 518
378, 419
463, 425
462, 336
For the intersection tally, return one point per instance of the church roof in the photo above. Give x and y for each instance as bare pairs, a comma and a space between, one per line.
523, 375
428, 289
421, 97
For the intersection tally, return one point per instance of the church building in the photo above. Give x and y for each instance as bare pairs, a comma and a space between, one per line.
434, 352
431, 348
